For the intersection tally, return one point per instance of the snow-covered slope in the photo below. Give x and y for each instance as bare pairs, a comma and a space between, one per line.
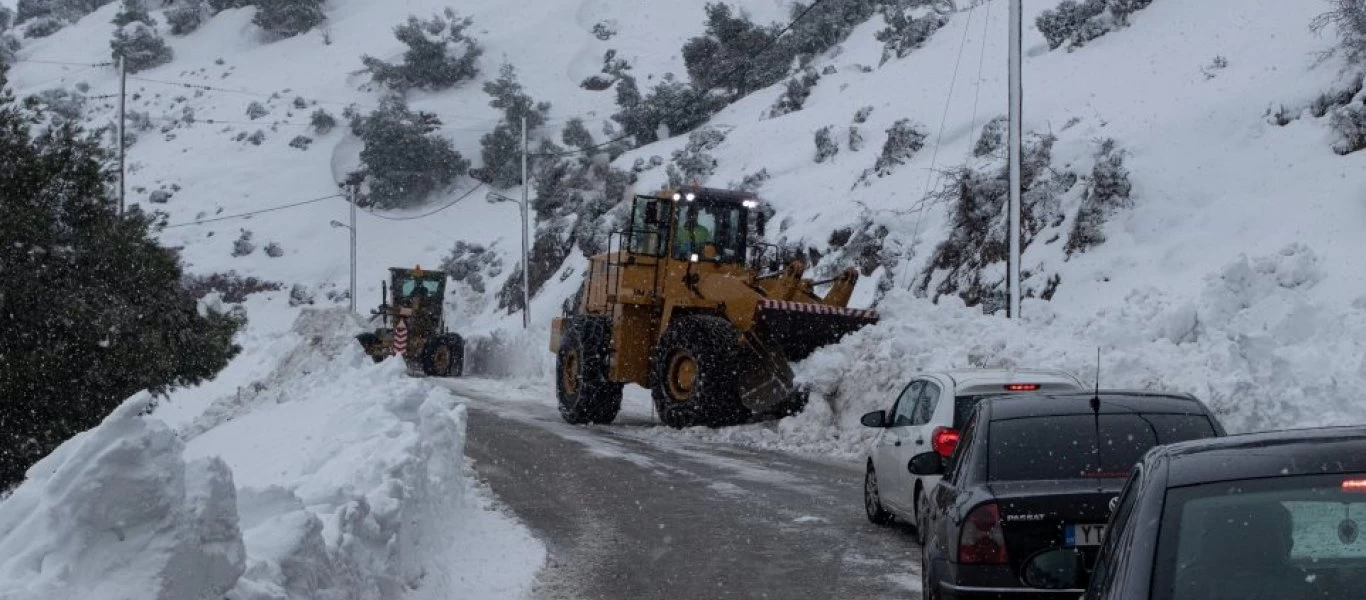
1214, 179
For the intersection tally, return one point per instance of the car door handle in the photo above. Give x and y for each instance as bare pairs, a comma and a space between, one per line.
920, 442
898, 443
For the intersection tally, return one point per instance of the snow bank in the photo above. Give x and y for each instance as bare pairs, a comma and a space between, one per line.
332, 477
1258, 345
119, 512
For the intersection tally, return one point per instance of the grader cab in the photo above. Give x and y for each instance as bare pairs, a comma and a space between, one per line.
679, 304
414, 326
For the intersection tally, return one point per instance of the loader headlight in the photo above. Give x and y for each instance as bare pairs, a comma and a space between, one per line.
678, 197
691, 196
751, 204
694, 258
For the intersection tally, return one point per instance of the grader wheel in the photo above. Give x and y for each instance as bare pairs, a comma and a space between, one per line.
443, 356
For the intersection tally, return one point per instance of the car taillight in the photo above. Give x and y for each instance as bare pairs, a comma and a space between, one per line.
1354, 485
981, 542
944, 440
1022, 387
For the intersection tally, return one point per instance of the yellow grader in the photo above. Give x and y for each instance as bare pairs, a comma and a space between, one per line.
678, 304
414, 325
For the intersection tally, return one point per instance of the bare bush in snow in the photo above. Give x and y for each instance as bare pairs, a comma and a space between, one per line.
795, 94
322, 121
904, 33
1350, 123
243, 246
826, 148
1348, 19
256, 110
1107, 191
1076, 22
904, 139
992, 138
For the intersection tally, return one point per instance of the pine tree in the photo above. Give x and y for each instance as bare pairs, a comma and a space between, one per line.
140, 46
132, 11
92, 307
440, 54
404, 157
288, 18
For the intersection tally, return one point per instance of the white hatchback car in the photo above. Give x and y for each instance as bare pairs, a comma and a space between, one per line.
927, 415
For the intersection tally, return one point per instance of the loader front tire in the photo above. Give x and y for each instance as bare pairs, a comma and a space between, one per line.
585, 393
695, 380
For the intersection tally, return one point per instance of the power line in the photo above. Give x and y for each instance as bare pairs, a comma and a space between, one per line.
430, 213
932, 177
64, 63
274, 95
255, 212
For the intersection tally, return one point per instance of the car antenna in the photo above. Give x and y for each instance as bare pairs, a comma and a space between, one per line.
1095, 413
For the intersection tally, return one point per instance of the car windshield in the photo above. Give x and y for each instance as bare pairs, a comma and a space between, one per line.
1064, 447
1281, 537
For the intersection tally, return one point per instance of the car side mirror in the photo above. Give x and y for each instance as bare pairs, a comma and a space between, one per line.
1058, 569
926, 463
877, 418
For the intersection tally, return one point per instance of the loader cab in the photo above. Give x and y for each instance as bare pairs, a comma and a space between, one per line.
700, 225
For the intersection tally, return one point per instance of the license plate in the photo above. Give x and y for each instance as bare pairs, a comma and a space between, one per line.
1083, 535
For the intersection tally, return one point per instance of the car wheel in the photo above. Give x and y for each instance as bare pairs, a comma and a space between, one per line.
922, 519
872, 501
929, 584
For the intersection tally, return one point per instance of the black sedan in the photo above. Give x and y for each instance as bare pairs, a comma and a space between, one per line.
1276, 516
1031, 485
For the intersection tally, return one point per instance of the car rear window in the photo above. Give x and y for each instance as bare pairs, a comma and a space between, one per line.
1064, 447
1280, 537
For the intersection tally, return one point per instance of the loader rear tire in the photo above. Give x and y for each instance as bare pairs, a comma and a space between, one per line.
585, 393
694, 373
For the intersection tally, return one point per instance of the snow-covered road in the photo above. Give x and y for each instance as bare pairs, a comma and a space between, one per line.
628, 513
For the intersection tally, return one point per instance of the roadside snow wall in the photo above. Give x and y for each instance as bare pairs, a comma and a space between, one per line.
1256, 346
349, 484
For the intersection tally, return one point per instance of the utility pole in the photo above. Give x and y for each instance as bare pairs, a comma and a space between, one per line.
354, 194
123, 87
526, 262
1016, 150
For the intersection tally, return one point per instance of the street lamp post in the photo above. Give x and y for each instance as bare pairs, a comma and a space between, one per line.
526, 290
352, 227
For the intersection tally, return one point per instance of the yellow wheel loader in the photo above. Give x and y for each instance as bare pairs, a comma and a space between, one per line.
414, 325
678, 304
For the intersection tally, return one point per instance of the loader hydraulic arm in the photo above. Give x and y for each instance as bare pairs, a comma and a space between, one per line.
841, 288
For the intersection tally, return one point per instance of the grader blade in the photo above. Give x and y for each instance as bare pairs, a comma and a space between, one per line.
802, 327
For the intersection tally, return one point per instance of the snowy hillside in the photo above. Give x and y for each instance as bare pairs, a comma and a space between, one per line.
1229, 268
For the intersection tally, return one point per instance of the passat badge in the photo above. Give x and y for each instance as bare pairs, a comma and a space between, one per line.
1113, 503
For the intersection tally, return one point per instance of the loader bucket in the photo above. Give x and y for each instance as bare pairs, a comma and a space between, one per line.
802, 327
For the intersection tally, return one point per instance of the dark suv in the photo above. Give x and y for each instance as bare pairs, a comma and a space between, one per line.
1030, 488
1270, 516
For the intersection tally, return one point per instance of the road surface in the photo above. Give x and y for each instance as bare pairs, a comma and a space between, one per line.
627, 513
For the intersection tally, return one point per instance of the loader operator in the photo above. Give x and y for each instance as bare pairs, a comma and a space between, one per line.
692, 237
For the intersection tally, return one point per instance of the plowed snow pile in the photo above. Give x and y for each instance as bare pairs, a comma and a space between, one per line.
1258, 345
331, 478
